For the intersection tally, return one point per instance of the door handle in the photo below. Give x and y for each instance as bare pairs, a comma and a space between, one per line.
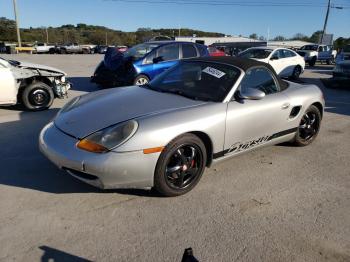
285, 106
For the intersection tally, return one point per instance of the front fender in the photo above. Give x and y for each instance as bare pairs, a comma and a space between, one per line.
158, 130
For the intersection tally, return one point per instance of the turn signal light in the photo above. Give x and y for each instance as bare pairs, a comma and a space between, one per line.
153, 150
91, 146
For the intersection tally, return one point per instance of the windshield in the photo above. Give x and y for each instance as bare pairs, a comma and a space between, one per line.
309, 47
255, 53
197, 80
347, 49
140, 50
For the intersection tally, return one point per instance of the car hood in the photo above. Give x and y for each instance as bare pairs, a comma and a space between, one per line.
104, 108
40, 67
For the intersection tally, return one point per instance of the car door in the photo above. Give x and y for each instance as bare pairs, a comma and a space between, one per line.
291, 60
8, 89
166, 56
277, 61
250, 123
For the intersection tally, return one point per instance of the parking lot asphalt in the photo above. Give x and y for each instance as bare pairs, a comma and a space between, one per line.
279, 203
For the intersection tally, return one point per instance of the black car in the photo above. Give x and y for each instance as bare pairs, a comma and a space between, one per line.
342, 70
101, 49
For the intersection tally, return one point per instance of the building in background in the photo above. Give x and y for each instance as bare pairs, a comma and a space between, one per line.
292, 44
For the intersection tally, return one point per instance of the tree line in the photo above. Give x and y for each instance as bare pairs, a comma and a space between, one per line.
340, 42
91, 34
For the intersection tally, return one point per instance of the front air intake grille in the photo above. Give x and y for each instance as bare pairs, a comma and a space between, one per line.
80, 174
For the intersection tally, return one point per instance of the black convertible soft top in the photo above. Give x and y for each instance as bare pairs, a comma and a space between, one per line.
243, 63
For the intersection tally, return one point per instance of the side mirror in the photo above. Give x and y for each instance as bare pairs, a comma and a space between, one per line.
252, 94
157, 59
274, 58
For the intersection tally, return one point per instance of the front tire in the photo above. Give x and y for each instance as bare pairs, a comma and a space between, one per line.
141, 80
180, 166
309, 127
37, 96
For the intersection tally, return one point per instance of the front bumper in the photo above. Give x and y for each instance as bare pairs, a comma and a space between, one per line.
109, 170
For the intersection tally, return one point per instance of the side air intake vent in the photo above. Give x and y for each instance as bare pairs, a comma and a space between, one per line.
295, 111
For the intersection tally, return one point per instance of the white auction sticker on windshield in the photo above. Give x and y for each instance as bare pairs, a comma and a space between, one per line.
214, 72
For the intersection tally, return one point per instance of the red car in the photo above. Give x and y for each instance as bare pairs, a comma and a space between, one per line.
215, 52
122, 48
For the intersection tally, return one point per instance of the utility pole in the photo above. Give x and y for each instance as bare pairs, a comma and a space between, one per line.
106, 38
17, 23
47, 35
325, 22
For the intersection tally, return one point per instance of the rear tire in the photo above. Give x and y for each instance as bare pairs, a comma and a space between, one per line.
296, 72
37, 96
312, 62
180, 166
309, 127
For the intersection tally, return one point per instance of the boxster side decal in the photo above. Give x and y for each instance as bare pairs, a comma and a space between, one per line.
242, 146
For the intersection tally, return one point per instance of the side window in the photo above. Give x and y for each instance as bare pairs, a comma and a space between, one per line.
188, 50
259, 78
149, 58
169, 52
202, 50
320, 49
288, 53
278, 54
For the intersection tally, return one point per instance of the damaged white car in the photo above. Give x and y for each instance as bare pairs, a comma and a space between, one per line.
34, 86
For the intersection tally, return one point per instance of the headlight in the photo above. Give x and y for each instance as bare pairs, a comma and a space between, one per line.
108, 138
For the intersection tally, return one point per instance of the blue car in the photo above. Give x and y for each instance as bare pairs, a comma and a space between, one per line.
141, 63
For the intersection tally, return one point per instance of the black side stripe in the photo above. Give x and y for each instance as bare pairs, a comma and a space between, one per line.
274, 136
283, 133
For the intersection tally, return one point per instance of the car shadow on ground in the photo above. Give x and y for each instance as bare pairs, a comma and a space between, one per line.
55, 255
82, 84
24, 166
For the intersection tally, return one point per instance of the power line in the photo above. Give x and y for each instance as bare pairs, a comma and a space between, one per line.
232, 3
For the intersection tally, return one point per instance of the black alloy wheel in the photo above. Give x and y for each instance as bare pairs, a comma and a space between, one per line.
309, 126
183, 166
180, 165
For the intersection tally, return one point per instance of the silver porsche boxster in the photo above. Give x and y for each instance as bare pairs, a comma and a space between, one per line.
165, 133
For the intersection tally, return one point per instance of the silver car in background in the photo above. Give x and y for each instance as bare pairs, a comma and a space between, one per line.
165, 133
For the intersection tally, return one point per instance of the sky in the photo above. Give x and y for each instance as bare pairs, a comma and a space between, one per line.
215, 16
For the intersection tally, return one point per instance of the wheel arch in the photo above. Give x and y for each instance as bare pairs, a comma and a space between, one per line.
143, 74
207, 143
319, 107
